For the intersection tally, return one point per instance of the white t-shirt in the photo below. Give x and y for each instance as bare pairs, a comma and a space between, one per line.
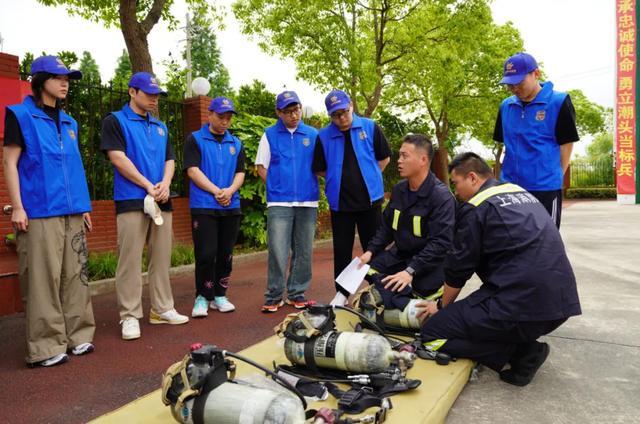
263, 157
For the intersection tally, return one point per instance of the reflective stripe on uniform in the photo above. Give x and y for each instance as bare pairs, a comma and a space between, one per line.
433, 296
396, 218
417, 231
372, 271
492, 191
435, 344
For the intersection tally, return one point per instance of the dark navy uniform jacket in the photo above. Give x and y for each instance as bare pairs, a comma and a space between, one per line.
422, 228
507, 237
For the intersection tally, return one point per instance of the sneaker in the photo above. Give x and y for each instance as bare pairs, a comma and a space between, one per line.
339, 300
200, 307
298, 302
222, 304
130, 328
169, 317
272, 306
83, 349
50, 362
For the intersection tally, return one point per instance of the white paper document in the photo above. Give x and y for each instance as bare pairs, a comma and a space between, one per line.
351, 277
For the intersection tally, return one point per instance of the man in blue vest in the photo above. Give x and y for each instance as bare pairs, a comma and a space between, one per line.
138, 146
284, 158
505, 236
538, 127
351, 153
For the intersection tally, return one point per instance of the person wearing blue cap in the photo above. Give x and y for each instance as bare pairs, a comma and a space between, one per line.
538, 127
48, 189
138, 146
214, 160
284, 159
351, 153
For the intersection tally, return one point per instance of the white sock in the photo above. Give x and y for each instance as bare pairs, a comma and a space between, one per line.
339, 300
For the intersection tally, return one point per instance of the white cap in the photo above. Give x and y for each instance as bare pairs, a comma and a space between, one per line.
152, 209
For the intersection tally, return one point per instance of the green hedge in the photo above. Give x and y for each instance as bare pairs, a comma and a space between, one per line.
591, 193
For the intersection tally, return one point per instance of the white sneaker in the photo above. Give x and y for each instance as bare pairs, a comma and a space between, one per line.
50, 362
130, 328
222, 304
339, 300
200, 307
83, 349
169, 317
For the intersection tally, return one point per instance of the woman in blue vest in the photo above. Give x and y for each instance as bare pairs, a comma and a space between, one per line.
48, 190
214, 160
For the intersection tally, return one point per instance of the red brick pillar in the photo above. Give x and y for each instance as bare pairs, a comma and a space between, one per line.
195, 113
12, 91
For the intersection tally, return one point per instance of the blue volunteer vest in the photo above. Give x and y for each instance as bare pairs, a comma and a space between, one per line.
52, 178
218, 163
532, 158
146, 148
289, 176
362, 130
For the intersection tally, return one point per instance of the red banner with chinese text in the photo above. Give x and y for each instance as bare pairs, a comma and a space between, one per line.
626, 95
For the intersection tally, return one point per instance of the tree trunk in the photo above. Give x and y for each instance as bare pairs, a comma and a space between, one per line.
440, 163
138, 49
135, 33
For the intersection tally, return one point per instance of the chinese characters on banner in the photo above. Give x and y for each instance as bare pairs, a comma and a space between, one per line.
626, 96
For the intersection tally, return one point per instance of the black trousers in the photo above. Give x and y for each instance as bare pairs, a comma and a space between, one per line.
464, 330
552, 202
213, 241
343, 225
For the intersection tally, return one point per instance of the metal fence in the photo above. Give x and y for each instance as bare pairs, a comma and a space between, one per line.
593, 174
89, 103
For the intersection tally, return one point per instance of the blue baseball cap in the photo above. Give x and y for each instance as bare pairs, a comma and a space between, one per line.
222, 105
53, 65
286, 98
146, 82
517, 67
336, 100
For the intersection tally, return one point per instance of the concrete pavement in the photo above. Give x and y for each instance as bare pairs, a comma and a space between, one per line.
593, 372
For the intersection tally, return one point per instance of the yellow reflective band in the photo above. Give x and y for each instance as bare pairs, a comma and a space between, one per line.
396, 218
417, 231
492, 191
372, 271
436, 295
435, 344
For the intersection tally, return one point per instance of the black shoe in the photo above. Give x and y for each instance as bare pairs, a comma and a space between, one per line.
525, 364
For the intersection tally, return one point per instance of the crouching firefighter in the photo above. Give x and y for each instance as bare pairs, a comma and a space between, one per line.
504, 235
419, 220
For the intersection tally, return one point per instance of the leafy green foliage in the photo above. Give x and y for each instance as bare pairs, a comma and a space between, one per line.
591, 193
182, 255
123, 72
89, 68
249, 130
255, 99
591, 118
601, 147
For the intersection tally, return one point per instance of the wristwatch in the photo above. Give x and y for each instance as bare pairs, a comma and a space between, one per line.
439, 303
410, 271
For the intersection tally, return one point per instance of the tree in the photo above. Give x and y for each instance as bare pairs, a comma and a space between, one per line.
601, 147
206, 61
255, 99
454, 84
123, 72
136, 19
348, 44
89, 68
590, 117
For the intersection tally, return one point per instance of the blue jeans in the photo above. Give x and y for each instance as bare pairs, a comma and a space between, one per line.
289, 229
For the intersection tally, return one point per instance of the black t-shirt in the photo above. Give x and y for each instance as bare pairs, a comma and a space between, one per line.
354, 195
12, 131
193, 157
566, 131
113, 139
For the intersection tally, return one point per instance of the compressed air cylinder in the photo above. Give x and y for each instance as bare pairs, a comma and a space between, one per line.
355, 352
406, 318
232, 403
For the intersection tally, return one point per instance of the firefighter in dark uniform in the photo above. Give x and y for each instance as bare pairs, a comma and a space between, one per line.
505, 235
419, 220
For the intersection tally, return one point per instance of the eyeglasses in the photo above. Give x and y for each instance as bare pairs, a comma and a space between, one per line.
339, 114
292, 112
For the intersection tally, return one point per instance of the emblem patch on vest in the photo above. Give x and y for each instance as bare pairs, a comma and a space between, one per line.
232, 150
72, 134
306, 142
540, 115
363, 135
161, 131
